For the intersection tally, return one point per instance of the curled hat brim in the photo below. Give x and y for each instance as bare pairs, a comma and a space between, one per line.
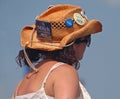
92, 27
29, 36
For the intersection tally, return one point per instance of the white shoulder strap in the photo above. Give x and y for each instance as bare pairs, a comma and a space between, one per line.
85, 93
55, 66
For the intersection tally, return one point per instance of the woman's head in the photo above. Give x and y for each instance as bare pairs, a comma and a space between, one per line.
53, 32
70, 55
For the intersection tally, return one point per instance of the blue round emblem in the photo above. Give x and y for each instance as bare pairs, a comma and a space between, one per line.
69, 23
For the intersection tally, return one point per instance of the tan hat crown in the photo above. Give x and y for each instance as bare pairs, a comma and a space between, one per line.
58, 26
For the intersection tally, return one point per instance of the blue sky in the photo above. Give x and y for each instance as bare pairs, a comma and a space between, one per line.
100, 67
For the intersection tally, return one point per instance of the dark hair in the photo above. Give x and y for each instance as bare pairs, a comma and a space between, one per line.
66, 55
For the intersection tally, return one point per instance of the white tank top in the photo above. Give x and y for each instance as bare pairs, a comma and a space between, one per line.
40, 94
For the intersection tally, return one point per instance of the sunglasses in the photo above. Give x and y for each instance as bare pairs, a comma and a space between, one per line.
86, 39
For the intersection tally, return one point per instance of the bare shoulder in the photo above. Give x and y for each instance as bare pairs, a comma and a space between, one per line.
67, 69
66, 82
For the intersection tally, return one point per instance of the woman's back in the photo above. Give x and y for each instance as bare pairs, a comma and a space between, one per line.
33, 81
46, 78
